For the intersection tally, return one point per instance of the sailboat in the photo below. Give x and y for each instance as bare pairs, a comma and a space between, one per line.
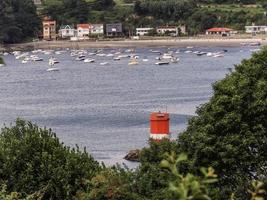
51, 63
133, 62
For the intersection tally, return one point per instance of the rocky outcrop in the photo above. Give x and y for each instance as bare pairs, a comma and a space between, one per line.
133, 155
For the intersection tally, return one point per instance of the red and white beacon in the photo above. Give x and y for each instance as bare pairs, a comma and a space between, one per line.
159, 125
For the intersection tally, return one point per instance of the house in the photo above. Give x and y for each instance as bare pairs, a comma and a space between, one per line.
143, 31
37, 2
97, 29
114, 29
220, 31
83, 30
167, 30
49, 29
66, 31
256, 29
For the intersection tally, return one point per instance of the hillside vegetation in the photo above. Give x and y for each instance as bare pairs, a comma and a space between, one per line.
196, 15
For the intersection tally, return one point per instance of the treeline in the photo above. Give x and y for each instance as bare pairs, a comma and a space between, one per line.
221, 155
18, 21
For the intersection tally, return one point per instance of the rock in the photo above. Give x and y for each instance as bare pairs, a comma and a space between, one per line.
133, 155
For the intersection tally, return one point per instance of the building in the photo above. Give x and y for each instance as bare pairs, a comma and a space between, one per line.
114, 30
97, 29
37, 2
49, 29
167, 30
66, 31
220, 31
83, 30
143, 31
256, 29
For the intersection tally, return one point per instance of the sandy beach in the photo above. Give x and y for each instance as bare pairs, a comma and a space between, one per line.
136, 43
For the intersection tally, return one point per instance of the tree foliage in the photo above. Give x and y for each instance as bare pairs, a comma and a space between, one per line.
18, 20
33, 160
229, 133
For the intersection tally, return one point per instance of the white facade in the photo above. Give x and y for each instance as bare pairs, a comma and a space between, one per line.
82, 32
142, 31
256, 29
97, 29
163, 30
66, 31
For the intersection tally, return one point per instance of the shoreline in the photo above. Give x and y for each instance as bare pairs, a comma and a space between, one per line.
127, 43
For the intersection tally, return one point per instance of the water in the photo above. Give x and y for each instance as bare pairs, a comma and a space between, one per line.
106, 108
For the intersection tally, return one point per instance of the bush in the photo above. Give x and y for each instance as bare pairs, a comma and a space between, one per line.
32, 159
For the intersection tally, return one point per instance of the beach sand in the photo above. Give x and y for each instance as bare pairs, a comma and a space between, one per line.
195, 42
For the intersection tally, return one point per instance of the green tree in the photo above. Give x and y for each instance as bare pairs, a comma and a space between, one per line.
229, 133
18, 20
34, 160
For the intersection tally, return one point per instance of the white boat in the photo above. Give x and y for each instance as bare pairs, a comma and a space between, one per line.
104, 63
89, 60
162, 63
145, 59
217, 55
174, 60
124, 56
188, 51
109, 55
2, 65
52, 69
6, 53
209, 54
116, 58
24, 61
79, 58
52, 61
101, 54
91, 54
36, 59
167, 56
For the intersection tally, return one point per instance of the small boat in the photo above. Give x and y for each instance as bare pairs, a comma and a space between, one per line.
89, 60
101, 54
104, 63
116, 58
36, 59
79, 59
145, 59
24, 61
52, 69
109, 55
175, 60
188, 51
167, 56
133, 62
2, 65
124, 56
52, 61
162, 63
217, 55
200, 53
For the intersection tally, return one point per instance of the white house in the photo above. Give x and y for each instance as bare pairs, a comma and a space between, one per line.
83, 30
97, 29
256, 29
142, 31
161, 30
66, 31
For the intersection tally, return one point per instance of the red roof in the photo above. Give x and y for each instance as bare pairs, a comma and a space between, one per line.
85, 26
219, 30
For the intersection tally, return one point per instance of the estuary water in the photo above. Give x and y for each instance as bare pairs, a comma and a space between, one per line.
106, 108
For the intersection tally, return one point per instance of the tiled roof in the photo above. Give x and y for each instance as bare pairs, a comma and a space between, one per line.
85, 26
219, 29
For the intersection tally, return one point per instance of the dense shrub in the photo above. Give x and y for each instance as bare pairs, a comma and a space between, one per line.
33, 159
